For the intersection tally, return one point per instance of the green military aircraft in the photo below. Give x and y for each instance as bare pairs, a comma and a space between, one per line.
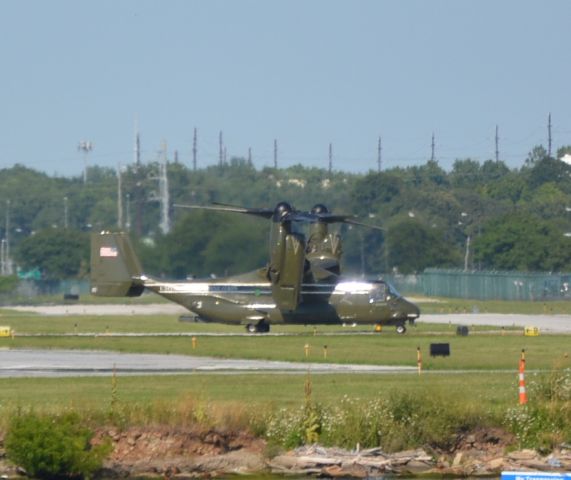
300, 285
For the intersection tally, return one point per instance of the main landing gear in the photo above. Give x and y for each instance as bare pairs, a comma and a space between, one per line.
401, 328
261, 327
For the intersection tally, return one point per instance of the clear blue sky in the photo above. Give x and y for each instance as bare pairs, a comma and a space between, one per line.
304, 72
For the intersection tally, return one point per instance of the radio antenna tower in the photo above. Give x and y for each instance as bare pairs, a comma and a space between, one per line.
164, 190
379, 154
137, 146
85, 147
119, 199
497, 144
276, 153
549, 135
194, 148
220, 149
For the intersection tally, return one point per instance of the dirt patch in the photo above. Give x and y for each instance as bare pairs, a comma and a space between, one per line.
193, 452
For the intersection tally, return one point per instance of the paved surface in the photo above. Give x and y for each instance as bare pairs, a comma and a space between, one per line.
545, 323
54, 363
109, 309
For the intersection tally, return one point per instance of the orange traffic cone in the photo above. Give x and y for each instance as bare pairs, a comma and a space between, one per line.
522, 393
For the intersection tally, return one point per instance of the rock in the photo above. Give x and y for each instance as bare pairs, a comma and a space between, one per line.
457, 459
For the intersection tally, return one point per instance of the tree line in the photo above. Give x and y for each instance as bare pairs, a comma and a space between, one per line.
476, 216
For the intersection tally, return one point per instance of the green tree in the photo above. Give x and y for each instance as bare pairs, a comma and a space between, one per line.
522, 242
412, 247
58, 253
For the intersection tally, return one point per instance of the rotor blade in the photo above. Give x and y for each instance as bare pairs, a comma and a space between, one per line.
259, 212
329, 218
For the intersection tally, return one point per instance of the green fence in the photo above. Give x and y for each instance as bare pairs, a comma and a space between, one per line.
485, 285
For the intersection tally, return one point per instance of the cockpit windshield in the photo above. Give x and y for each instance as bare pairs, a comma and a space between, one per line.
392, 290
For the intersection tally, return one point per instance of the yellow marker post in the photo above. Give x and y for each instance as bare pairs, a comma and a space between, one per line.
419, 360
306, 350
325, 352
5, 332
194, 341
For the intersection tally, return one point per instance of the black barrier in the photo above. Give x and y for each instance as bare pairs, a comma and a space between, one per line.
462, 330
439, 349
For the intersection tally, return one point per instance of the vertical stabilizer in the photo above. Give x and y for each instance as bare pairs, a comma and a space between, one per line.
115, 268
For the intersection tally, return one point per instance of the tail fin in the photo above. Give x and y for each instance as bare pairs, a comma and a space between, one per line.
115, 268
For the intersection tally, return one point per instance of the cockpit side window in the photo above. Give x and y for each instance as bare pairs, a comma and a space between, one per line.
378, 293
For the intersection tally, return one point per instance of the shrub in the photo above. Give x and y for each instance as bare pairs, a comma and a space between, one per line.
53, 447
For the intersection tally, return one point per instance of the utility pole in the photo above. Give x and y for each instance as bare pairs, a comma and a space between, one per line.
220, 149
330, 159
379, 155
276, 153
432, 148
137, 146
128, 220
164, 190
175, 156
65, 213
194, 148
119, 199
7, 261
497, 144
549, 135
249, 156
85, 147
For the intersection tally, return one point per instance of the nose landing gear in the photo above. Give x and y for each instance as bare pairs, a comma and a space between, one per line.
401, 329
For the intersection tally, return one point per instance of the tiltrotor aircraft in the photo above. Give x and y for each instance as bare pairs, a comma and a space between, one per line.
300, 285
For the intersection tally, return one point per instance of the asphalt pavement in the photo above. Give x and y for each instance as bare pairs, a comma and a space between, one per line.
58, 363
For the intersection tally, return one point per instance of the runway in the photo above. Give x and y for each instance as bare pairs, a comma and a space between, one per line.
56, 363
546, 323
59, 363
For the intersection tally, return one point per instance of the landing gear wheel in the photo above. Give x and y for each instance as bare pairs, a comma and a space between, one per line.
263, 326
401, 329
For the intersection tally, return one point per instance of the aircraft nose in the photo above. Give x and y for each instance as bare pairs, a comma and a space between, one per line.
412, 311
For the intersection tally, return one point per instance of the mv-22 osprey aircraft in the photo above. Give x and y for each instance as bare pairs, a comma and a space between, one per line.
300, 285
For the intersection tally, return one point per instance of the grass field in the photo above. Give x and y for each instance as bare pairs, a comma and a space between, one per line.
477, 381
486, 348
